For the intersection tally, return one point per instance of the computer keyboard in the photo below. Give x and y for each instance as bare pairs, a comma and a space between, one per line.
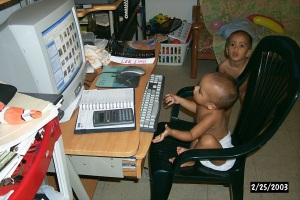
151, 103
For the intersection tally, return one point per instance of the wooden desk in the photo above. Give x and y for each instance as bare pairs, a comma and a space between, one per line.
96, 7
88, 151
110, 7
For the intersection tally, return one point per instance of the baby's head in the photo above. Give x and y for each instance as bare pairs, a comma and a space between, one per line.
216, 91
238, 45
243, 35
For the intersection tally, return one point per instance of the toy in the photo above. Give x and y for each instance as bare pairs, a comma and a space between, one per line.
251, 17
216, 24
176, 41
268, 23
13, 115
16, 115
159, 18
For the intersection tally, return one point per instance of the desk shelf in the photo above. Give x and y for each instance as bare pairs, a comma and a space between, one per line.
123, 30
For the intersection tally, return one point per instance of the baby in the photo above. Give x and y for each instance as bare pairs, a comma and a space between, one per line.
238, 51
215, 93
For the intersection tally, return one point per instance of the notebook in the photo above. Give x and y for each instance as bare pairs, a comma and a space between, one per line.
99, 100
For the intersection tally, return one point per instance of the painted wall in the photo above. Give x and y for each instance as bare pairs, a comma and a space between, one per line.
4, 14
181, 9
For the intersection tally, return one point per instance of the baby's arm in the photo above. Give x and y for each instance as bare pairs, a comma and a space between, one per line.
181, 135
174, 99
188, 136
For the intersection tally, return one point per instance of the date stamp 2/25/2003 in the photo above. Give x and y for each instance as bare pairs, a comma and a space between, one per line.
269, 187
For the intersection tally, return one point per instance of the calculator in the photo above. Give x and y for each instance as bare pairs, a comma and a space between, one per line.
113, 117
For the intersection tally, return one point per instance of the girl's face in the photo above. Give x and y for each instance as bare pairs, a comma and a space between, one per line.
238, 48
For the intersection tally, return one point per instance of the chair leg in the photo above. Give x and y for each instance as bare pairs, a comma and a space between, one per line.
160, 168
161, 185
237, 186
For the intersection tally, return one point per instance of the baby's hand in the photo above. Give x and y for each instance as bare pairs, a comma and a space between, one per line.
158, 138
171, 99
162, 136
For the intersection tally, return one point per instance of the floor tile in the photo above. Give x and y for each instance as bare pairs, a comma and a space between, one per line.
279, 169
295, 135
188, 191
280, 144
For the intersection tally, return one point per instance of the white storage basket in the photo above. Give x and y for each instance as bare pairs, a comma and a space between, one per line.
172, 54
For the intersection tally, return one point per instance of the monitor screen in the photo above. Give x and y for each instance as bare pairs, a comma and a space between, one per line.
62, 45
42, 51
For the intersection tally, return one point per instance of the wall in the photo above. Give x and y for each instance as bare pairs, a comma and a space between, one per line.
4, 14
181, 9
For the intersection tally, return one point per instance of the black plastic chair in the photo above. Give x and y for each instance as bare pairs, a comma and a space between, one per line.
273, 87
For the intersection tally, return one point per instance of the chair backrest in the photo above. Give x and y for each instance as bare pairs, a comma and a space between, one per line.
273, 74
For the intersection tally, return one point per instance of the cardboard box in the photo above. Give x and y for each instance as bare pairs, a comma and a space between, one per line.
183, 33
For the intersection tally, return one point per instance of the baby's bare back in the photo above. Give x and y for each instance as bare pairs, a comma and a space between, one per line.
214, 121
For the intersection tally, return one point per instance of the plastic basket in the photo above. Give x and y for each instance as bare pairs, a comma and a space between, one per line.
172, 54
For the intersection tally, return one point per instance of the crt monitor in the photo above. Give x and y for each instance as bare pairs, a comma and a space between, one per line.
42, 51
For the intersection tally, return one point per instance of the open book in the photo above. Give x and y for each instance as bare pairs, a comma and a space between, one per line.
104, 100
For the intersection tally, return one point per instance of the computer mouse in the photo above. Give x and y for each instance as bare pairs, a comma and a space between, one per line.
133, 71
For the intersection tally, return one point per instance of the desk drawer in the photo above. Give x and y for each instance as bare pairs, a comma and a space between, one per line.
105, 166
134, 172
97, 166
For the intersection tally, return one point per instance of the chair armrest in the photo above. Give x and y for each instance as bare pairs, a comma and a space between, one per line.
208, 154
183, 92
242, 77
224, 154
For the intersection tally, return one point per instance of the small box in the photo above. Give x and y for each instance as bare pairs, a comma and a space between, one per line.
172, 54
183, 33
88, 38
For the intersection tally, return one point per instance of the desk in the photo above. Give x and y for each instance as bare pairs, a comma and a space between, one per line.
100, 154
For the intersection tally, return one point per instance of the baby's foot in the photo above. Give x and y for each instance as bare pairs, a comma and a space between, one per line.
179, 151
172, 159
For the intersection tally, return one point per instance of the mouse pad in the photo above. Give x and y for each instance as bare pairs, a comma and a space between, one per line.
111, 77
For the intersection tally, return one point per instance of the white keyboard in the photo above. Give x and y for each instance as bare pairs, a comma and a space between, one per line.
151, 103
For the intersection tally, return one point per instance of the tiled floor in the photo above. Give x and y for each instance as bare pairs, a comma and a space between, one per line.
278, 160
